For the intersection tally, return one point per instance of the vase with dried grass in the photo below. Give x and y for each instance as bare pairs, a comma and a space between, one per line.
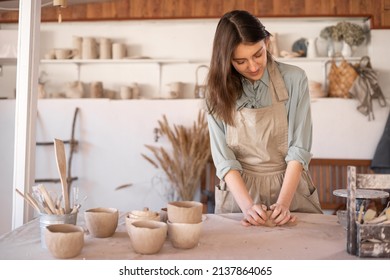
184, 163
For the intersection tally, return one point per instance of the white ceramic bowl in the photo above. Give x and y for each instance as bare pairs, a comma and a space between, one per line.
64, 241
147, 236
101, 222
184, 236
189, 212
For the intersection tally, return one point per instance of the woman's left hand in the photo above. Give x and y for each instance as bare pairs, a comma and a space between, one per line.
281, 214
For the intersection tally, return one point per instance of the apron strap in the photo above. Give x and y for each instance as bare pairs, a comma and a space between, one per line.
277, 80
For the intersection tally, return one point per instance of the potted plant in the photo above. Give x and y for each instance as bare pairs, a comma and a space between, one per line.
350, 34
187, 157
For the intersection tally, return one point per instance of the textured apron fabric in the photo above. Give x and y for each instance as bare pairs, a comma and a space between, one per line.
259, 141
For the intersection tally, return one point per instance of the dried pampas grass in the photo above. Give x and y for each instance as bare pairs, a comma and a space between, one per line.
184, 164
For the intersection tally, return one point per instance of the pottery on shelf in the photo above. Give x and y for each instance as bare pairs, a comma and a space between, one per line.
74, 89
311, 51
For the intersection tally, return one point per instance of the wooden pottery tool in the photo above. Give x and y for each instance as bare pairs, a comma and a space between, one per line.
61, 164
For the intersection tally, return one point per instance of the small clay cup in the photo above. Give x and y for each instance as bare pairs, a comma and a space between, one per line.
101, 222
64, 241
184, 236
189, 212
147, 236
138, 215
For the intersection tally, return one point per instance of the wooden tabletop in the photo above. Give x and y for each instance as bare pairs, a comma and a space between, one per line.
315, 236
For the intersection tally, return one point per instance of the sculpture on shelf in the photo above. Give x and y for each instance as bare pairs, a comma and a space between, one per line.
185, 161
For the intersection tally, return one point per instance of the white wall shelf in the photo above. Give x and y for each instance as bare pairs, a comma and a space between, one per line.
158, 62
316, 59
7, 61
115, 61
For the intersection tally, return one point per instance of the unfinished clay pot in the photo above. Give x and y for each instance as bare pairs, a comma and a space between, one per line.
64, 241
101, 222
147, 236
189, 212
138, 215
184, 236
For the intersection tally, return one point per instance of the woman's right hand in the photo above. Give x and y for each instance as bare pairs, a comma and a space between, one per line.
255, 215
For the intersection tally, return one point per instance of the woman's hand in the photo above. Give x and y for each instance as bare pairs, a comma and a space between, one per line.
281, 214
255, 215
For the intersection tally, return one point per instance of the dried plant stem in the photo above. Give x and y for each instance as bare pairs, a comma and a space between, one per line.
190, 153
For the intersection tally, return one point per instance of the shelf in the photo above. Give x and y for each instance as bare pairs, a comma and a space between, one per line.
316, 59
114, 61
7, 61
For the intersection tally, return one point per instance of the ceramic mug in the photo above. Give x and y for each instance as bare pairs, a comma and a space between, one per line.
135, 90
96, 90
126, 92
175, 89
105, 48
89, 48
118, 51
64, 53
77, 43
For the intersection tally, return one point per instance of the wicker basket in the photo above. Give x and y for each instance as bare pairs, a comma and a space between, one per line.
340, 79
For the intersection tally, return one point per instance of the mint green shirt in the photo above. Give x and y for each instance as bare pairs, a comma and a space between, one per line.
256, 96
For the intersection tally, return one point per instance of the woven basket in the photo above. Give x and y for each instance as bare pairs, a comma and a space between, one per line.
340, 79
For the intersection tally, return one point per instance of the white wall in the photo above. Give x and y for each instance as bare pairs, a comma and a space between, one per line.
112, 133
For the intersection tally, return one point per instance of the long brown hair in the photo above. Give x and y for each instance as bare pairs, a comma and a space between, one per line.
223, 81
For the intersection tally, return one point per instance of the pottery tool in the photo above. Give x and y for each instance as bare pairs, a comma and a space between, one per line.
61, 164
30, 200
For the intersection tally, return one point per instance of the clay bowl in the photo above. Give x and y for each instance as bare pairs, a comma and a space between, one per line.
184, 236
64, 241
189, 212
147, 236
101, 222
137, 215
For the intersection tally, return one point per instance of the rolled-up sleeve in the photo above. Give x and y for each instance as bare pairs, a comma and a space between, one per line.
300, 121
223, 157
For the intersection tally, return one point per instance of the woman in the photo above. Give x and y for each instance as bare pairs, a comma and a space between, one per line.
260, 126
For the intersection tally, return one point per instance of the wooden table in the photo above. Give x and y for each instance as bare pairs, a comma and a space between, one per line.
314, 237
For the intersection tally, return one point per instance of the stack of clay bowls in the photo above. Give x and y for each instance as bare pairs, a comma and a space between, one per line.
147, 233
144, 214
184, 223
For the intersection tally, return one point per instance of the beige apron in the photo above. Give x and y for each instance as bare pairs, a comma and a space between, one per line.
259, 141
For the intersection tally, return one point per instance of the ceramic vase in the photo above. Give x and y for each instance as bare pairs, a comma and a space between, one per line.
346, 51
311, 48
